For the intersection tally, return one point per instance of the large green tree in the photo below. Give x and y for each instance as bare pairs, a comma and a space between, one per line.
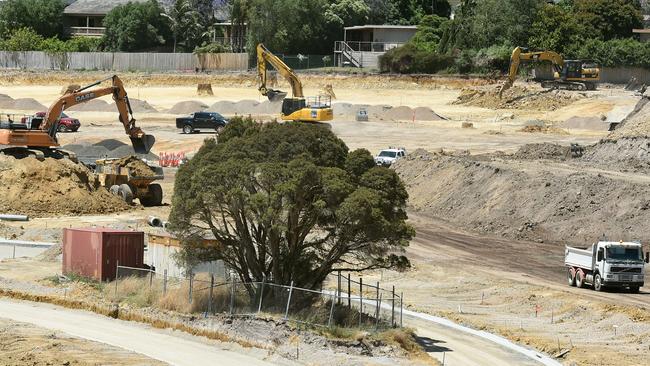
136, 26
608, 19
289, 202
43, 16
556, 28
186, 25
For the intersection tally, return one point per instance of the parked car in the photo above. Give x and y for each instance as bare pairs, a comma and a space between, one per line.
389, 156
201, 120
66, 123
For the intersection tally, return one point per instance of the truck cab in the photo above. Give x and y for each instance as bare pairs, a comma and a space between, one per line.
607, 264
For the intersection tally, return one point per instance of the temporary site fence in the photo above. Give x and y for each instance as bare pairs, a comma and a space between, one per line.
346, 302
123, 61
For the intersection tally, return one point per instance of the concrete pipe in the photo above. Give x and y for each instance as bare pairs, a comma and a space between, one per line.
14, 217
154, 221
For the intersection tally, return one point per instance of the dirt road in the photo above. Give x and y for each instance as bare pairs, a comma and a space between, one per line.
159, 345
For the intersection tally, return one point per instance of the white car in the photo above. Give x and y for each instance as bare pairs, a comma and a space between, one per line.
389, 156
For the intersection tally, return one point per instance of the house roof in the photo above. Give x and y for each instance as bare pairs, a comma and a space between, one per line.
100, 7
359, 27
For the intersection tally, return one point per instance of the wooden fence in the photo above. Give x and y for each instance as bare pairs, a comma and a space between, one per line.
120, 61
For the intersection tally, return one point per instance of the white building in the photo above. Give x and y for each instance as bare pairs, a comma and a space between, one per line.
362, 45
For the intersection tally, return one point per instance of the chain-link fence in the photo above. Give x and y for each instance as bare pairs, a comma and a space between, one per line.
351, 303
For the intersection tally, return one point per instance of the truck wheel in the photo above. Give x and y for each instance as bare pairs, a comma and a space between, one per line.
571, 276
634, 289
580, 279
114, 189
62, 128
125, 193
598, 282
187, 129
156, 194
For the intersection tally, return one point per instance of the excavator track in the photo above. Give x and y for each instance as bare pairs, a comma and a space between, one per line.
19, 152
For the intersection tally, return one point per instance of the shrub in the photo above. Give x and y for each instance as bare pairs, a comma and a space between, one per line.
408, 60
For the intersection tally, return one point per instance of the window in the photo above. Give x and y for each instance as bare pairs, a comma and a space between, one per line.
621, 253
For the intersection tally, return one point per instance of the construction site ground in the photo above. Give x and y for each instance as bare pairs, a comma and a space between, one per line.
492, 218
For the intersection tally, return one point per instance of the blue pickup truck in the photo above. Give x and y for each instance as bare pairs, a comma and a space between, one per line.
201, 121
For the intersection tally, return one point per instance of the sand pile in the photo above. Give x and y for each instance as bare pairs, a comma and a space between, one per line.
585, 123
534, 201
544, 129
136, 166
188, 107
518, 98
140, 106
95, 105
26, 104
52, 187
542, 151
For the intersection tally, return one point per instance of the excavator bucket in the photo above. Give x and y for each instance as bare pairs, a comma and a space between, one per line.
507, 85
275, 95
142, 145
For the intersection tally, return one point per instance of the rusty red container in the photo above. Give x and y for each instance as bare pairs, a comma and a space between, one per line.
95, 252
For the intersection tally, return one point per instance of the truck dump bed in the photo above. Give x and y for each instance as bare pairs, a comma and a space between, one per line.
576, 257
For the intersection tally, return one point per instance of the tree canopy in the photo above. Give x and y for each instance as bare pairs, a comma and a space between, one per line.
289, 202
136, 26
45, 17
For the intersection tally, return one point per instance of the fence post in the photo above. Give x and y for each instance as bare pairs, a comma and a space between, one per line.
259, 306
338, 288
164, 282
349, 291
286, 312
392, 313
401, 308
14, 255
378, 312
232, 293
117, 272
191, 285
360, 301
210, 297
329, 321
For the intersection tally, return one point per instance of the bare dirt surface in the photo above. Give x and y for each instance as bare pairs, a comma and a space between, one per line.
52, 187
23, 344
136, 166
490, 231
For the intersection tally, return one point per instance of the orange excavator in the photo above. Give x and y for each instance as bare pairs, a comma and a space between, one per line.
37, 137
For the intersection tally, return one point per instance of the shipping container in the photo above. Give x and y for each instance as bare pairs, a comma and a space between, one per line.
95, 252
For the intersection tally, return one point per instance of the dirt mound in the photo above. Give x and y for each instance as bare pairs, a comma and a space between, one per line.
137, 167
544, 129
52, 187
426, 114
636, 124
140, 106
51, 254
95, 105
28, 104
542, 151
542, 201
585, 123
628, 152
188, 107
518, 98
110, 144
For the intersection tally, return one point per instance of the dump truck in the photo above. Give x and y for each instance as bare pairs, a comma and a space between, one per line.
130, 178
607, 264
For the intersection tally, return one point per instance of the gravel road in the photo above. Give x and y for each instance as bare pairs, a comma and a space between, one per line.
130, 336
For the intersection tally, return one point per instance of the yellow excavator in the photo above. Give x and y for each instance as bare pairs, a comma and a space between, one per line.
38, 138
567, 74
296, 108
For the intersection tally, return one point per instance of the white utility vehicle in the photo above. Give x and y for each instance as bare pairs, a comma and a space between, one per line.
607, 264
388, 156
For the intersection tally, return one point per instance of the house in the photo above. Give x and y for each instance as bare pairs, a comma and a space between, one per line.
362, 45
162, 254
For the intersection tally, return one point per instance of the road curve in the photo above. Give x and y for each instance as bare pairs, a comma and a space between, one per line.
130, 336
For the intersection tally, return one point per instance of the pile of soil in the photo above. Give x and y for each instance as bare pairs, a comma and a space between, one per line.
632, 153
636, 124
52, 187
585, 123
109, 148
136, 166
518, 98
140, 106
25, 104
95, 105
188, 107
544, 129
519, 196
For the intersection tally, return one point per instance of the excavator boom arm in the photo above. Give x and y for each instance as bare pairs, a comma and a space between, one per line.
142, 142
264, 56
518, 56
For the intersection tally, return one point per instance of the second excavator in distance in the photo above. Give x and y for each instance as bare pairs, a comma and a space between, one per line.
296, 108
567, 74
37, 137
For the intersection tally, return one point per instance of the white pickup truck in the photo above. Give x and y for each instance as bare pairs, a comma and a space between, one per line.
607, 264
